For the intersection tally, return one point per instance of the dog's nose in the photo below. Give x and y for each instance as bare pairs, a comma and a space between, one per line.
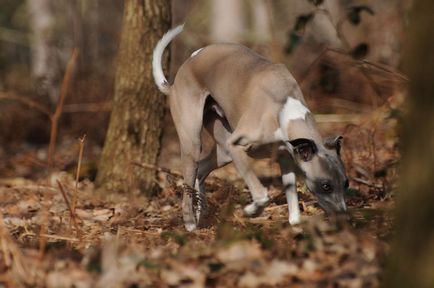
342, 207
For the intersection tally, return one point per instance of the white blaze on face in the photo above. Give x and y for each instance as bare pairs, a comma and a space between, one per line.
292, 110
195, 52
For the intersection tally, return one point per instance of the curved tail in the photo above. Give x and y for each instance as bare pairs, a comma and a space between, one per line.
157, 69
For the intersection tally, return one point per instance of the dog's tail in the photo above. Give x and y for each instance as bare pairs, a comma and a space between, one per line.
157, 69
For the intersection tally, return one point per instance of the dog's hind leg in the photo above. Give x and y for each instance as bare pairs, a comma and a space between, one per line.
190, 153
188, 126
218, 157
219, 129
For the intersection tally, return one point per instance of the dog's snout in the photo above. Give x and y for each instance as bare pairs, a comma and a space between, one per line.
333, 205
342, 207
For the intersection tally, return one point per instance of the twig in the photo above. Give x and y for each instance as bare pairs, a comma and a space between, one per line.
77, 175
73, 215
50, 236
63, 92
275, 207
367, 183
379, 67
170, 172
87, 107
14, 36
159, 169
152, 233
265, 221
313, 63
239, 219
26, 101
43, 229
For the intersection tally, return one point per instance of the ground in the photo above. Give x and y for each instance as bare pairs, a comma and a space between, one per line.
55, 233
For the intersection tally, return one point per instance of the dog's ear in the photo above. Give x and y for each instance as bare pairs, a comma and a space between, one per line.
334, 143
241, 140
303, 148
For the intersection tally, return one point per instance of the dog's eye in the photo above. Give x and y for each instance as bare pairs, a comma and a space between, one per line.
305, 152
346, 185
326, 187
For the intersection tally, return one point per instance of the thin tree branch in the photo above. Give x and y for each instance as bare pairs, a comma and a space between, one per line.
63, 92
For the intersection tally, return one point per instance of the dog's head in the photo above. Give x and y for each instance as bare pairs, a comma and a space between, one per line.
324, 171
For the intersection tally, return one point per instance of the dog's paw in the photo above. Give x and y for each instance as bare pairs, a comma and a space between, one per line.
251, 209
190, 227
294, 219
256, 207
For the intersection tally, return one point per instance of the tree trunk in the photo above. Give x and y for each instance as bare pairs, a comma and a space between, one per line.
227, 21
412, 260
136, 120
45, 64
261, 21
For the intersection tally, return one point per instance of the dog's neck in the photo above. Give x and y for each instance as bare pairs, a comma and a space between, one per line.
296, 121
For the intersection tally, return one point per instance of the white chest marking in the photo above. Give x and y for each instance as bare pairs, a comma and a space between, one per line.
292, 110
195, 52
278, 136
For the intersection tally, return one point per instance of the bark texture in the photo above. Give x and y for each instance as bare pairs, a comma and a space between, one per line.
136, 120
412, 260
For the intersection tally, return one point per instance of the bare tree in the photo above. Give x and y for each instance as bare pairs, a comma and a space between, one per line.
45, 63
412, 260
136, 120
261, 20
227, 20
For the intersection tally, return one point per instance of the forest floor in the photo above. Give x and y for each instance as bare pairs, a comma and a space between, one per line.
54, 233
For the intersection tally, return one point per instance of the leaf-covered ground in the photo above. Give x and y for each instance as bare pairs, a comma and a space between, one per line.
119, 241
56, 234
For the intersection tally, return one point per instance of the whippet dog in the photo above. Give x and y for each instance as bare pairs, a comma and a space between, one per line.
246, 103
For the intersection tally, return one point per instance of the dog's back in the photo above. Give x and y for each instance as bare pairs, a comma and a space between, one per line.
236, 72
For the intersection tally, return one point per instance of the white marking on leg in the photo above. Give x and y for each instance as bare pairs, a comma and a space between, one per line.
253, 207
195, 52
278, 136
196, 185
190, 227
201, 204
291, 197
292, 109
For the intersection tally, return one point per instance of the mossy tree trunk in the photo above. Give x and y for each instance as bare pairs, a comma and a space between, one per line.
412, 261
136, 121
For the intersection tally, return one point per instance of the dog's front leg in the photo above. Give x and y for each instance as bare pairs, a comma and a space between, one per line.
259, 193
290, 188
